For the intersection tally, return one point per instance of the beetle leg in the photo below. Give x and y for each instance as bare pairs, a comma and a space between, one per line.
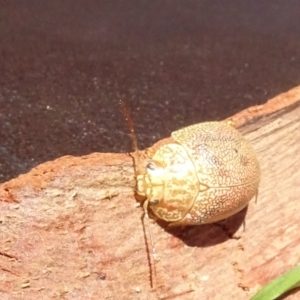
230, 123
154, 256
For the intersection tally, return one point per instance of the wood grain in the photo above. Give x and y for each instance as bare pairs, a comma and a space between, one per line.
71, 228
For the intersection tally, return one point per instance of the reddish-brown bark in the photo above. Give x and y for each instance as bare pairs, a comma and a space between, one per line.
71, 229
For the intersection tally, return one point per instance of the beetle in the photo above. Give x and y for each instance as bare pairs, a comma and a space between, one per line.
205, 173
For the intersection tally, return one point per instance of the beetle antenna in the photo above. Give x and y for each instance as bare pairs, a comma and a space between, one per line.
132, 133
154, 256
145, 205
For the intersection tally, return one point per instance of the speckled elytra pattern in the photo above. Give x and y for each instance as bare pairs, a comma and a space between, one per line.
210, 174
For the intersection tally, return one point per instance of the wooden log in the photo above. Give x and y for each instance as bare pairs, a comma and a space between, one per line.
71, 228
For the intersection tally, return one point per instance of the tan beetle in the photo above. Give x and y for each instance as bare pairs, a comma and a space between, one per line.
208, 173
204, 174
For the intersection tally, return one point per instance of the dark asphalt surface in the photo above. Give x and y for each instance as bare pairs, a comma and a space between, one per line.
65, 64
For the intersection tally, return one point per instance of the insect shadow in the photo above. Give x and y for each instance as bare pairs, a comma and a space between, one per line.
208, 234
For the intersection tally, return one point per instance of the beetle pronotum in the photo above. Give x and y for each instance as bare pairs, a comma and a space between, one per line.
206, 173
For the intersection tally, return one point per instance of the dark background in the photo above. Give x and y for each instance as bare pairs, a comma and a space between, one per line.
65, 64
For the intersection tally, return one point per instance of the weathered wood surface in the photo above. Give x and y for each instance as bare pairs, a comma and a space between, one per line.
71, 229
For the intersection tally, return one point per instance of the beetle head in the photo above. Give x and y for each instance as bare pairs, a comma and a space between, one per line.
150, 182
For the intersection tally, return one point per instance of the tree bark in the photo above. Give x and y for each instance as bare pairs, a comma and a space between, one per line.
71, 228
